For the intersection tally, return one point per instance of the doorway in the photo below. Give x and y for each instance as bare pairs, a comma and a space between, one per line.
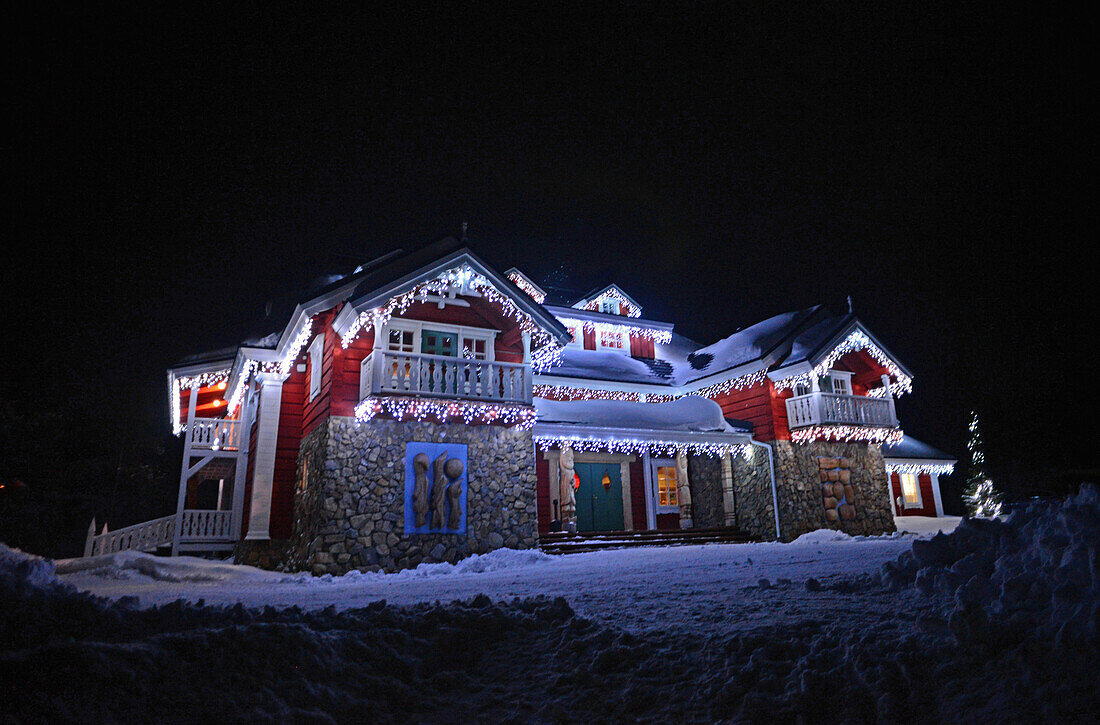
599, 497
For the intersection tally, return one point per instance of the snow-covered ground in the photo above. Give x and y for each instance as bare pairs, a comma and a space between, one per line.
996, 620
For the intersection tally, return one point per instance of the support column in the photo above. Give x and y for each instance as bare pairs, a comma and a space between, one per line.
192, 401
240, 470
729, 502
267, 436
683, 491
890, 397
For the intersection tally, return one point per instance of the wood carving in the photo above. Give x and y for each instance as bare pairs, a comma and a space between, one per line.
565, 487
453, 469
420, 488
439, 490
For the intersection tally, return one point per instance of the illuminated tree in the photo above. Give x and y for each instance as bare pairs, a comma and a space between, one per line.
980, 495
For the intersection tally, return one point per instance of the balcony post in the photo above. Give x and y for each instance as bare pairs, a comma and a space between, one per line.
189, 434
890, 398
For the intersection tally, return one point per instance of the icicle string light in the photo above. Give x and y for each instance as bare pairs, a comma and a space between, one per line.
937, 469
462, 280
282, 367
855, 341
524, 285
401, 408
568, 392
661, 336
846, 433
637, 446
632, 310
185, 382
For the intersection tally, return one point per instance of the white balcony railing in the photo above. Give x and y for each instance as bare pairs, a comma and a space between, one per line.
833, 409
216, 434
439, 376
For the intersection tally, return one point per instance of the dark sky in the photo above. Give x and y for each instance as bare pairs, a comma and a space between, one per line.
170, 173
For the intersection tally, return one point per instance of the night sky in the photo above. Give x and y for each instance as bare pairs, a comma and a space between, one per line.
170, 174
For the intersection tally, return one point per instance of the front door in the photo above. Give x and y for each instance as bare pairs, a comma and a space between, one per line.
599, 497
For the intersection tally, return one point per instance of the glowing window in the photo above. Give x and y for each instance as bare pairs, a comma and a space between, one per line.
910, 490
612, 339
666, 486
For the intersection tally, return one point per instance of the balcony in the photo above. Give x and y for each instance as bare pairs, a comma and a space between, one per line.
214, 434
385, 372
834, 409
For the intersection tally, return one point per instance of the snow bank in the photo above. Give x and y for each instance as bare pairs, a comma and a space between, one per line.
131, 564
1035, 570
496, 560
820, 536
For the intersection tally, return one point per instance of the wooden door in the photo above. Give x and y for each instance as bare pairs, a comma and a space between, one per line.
599, 497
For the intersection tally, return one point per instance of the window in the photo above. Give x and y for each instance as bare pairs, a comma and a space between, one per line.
666, 486
609, 307
841, 382
577, 331
801, 389
610, 338
910, 490
401, 341
316, 355
474, 348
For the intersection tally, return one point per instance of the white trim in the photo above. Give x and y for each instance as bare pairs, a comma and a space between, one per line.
919, 504
488, 334
316, 361
656, 463
267, 438
647, 481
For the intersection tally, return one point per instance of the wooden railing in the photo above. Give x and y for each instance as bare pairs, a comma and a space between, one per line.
217, 434
834, 409
196, 526
439, 376
146, 536
207, 525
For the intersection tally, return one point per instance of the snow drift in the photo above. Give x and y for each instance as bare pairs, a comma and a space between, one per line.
993, 622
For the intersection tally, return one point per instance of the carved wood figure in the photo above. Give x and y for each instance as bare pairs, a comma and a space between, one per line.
683, 491
566, 493
420, 487
439, 490
453, 469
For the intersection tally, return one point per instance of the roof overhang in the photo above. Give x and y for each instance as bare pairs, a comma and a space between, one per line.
825, 353
379, 297
936, 466
585, 437
617, 292
574, 313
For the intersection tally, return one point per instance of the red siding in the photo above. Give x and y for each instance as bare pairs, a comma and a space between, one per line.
641, 347
668, 522
590, 339
928, 501
542, 493
637, 496
286, 455
753, 405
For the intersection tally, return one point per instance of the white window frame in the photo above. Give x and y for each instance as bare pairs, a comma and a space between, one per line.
577, 325
613, 306
316, 360
654, 464
919, 503
624, 337
844, 377
464, 332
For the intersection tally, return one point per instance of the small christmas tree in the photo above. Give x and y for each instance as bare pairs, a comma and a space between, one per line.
980, 495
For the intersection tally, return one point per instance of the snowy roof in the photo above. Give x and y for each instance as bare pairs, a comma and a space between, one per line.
910, 448
750, 344
690, 413
612, 366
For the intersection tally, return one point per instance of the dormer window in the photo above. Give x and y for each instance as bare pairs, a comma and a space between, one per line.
609, 307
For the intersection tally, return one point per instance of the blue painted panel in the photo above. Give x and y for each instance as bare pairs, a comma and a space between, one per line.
433, 451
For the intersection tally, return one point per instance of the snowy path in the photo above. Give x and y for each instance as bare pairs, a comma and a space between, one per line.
707, 587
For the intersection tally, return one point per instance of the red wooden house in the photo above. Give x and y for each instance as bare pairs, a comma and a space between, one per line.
427, 406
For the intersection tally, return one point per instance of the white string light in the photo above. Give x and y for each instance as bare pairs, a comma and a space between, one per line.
846, 433
632, 310
568, 392
419, 409
638, 446
932, 469
855, 342
523, 284
661, 336
460, 280
186, 382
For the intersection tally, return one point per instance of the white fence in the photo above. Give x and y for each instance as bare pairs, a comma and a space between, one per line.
215, 434
831, 408
196, 527
440, 376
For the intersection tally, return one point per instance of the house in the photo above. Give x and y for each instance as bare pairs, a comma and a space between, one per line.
915, 469
428, 406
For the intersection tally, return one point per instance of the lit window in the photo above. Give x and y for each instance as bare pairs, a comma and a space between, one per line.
666, 486
401, 340
910, 491
609, 307
576, 334
841, 384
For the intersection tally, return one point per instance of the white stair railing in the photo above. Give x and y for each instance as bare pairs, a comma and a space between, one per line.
208, 525
215, 434
146, 536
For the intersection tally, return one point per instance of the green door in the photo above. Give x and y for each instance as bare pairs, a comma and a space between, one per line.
439, 343
434, 372
599, 503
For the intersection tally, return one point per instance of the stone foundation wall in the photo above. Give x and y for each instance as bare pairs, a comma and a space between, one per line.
705, 475
271, 554
349, 504
752, 492
801, 499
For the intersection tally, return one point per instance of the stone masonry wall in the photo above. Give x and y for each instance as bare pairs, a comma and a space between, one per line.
752, 491
705, 475
799, 486
349, 504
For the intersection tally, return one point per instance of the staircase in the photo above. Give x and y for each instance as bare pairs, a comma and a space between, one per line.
558, 542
